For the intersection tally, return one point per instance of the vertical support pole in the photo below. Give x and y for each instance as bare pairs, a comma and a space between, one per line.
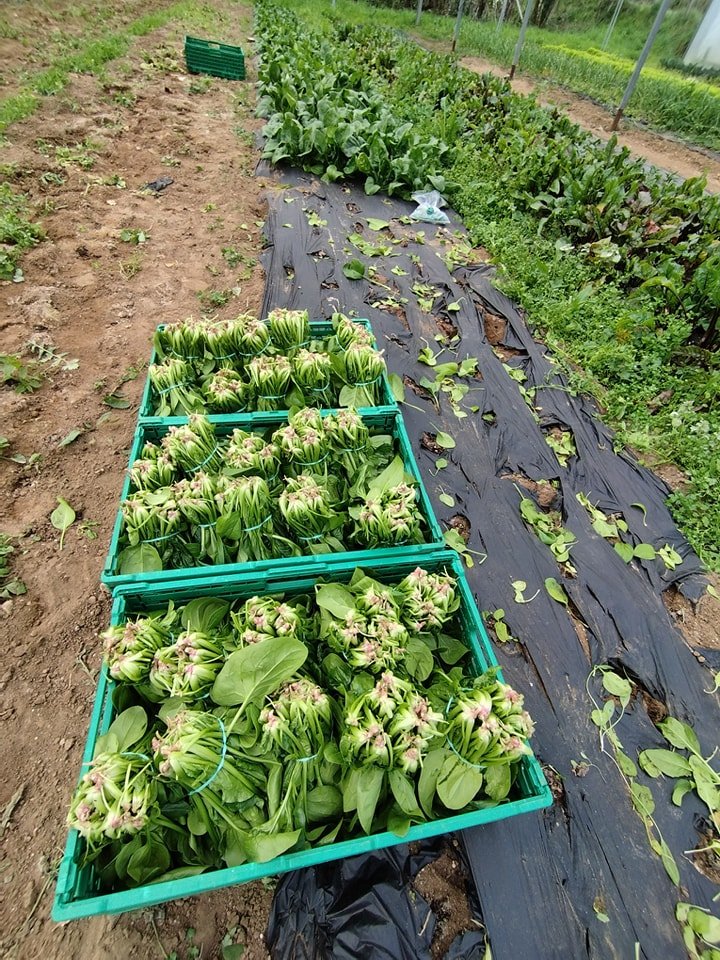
632, 82
458, 21
418, 11
501, 18
521, 39
611, 25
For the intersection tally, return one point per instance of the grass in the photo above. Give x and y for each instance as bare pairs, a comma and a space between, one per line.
17, 232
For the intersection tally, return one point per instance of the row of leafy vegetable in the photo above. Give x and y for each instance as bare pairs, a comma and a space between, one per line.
248, 728
315, 484
616, 264
246, 364
637, 225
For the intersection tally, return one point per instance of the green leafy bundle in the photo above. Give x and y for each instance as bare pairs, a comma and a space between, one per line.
318, 484
275, 723
209, 365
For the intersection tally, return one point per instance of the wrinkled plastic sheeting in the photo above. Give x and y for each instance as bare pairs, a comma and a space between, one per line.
355, 908
541, 878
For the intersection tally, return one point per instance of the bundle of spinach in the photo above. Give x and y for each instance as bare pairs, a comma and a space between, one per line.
245, 364
256, 726
318, 484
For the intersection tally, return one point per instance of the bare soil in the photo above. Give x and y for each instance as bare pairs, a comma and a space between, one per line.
444, 885
97, 299
698, 622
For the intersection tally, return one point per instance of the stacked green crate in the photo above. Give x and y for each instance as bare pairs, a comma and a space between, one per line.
80, 890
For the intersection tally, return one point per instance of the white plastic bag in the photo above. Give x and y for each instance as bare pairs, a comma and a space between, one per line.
428, 209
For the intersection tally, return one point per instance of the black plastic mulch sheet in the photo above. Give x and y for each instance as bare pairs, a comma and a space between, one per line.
541, 878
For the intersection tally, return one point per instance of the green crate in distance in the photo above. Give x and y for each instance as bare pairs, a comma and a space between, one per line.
214, 58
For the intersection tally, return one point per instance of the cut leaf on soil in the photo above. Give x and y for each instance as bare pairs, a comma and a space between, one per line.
62, 517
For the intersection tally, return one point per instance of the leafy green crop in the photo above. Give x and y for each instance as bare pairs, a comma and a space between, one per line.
276, 723
325, 117
615, 263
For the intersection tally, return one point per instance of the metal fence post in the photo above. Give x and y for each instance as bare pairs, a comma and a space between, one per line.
632, 82
456, 32
611, 25
521, 39
418, 12
501, 18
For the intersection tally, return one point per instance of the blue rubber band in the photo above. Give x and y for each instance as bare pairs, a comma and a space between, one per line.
307, 759
316, 536
167, 536
258, 525
183, 356
475, 766
175, 386
206, 460
204, 526
366, 383
272, 396
257, 354
219, 767
313, 463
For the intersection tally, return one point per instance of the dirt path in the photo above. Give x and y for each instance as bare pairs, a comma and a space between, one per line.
97, 299
662, 151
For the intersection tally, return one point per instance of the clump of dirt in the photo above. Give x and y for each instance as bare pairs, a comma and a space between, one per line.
706, 860
429, 442
446, 327
444, 884
699, 622
655, 709
544, 493
419, 390
495, 327
461, 525
555, 782
397, 310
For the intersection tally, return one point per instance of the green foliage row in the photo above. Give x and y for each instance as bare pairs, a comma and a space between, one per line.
617, 264
688, 107
325, 116
710, 74
682, 105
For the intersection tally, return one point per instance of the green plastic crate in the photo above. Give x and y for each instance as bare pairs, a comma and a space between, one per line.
215, 59
76, 893
319, 329
386, 422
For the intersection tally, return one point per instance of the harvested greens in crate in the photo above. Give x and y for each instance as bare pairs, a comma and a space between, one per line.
244, 364
314, 483
240, 734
